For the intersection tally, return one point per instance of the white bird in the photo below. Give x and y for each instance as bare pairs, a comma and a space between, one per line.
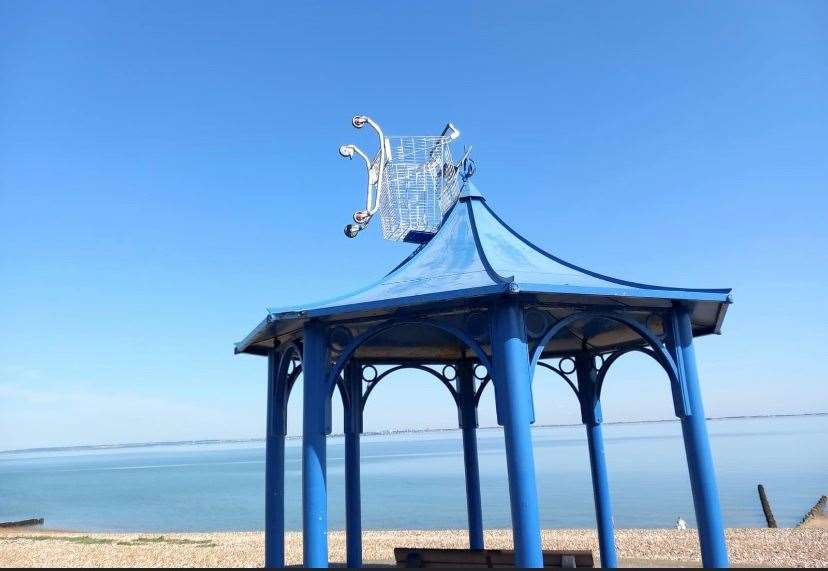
681, 524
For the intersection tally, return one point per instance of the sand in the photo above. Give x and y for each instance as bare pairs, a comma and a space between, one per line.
803, 547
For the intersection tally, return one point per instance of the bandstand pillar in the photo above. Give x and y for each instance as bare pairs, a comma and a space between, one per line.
275, 463
512, 379
697, 442
353, 500
314, 460
592, 418
468, 423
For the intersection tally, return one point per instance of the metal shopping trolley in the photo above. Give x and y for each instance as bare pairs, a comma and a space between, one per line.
412, 182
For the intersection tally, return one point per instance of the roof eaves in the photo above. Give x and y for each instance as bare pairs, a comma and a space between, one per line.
717, 329
673, 294
254, 336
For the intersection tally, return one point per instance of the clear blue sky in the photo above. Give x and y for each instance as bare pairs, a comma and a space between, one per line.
170, 169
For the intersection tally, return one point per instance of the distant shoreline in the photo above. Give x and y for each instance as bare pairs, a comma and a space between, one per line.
208, 442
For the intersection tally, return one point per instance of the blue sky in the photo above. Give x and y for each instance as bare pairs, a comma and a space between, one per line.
168, 170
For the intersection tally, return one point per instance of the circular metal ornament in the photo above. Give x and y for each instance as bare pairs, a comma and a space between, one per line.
477, 324
291, 367
655, 324
536, 322
567, 365
480, 376
339, 338
449, 369
369, 373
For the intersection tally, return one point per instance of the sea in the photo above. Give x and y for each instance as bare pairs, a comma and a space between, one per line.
416, 481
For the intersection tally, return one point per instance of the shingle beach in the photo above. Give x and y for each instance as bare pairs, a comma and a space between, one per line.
802, 547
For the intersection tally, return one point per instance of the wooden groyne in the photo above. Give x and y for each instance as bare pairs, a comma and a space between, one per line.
815, 511
763, 499
22, 523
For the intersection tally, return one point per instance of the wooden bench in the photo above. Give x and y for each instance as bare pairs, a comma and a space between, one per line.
414, 557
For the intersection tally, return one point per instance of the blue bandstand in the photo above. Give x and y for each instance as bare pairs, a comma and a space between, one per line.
479, 305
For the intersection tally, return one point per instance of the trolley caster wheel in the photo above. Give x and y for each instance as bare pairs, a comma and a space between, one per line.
351, 230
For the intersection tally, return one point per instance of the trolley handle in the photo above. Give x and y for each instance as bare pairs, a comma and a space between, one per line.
372, 204
450, 130
359, 121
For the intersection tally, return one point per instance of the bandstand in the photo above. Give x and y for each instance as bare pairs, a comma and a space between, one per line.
478, 305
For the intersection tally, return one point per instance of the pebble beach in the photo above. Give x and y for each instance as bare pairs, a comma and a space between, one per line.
797, 547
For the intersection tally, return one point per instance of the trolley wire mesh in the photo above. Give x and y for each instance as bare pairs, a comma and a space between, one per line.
418, 186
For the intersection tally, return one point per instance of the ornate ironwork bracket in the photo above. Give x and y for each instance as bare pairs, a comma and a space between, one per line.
376, 378
584, 386
288, 363
559, 370
351, 347
663, 353
484, 377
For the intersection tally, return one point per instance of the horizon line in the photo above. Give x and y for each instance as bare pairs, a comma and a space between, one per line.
390, 431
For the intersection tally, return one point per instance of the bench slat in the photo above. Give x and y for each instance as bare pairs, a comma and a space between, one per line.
414, 557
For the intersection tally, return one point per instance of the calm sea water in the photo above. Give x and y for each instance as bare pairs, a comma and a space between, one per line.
416, 481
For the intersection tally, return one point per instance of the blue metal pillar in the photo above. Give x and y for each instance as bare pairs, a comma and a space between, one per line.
696, 442
513, 391
314, 429
468, 423
353, 500
592, 418
275, 464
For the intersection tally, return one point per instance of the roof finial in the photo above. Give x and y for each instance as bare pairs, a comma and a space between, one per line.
467, 165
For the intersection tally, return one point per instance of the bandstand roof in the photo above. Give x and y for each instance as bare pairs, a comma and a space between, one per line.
475, 255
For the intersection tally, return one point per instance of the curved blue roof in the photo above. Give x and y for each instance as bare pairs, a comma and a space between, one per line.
475, 254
